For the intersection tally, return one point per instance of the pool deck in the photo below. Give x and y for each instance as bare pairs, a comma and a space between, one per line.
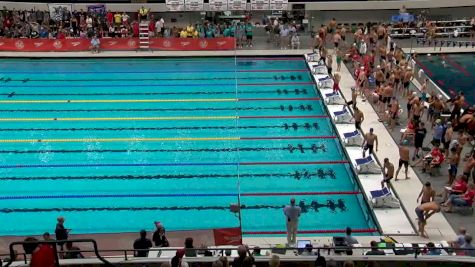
438, 228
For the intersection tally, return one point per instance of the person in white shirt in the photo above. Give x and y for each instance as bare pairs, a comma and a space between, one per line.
292, 214
295, 41
159, 27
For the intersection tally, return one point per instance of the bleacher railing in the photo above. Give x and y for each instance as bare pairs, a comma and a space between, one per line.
393, 252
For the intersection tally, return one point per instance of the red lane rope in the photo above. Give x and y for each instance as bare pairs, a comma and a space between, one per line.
283, 117
302, 193
273, 84
265, 99
295, 70
289, 137
295, 162
332, 231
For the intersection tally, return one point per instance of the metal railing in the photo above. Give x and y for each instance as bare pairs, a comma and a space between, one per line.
54, 244
393, 252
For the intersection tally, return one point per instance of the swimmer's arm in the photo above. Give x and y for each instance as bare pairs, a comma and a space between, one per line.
376, 141
420, 194
429, 214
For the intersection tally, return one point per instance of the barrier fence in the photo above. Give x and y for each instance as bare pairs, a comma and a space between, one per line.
116, 44
293, 255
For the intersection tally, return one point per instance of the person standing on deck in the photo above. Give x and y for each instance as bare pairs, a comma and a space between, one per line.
292, 214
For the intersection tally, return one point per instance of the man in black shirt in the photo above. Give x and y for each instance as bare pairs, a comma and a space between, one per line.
374, 249
419, 136
61, 232
142, 243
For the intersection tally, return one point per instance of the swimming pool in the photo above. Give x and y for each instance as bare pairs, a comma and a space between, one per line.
115, 144
452, 73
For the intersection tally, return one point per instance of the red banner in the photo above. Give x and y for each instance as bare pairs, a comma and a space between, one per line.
117, 44
227, 236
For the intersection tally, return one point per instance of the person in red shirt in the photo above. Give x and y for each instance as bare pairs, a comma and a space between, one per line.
458, 187
135, 28
465, 200
60, 35
109, 17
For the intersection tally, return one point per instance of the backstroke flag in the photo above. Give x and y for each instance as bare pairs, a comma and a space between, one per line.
57, 11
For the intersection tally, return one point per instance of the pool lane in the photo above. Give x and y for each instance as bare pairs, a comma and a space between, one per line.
167, 141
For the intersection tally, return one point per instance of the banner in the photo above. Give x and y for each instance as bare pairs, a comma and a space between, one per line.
218, 5
236, 4
57, 11
175, 5
119, 44
259, 4
279, 4
192, 44
227, 236
194, 5
96, 9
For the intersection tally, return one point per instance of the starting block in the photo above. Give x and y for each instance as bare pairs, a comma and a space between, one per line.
334, 99
319, 68
367, 166
312, 57
343, 116
384, 199
353, 138
325, 83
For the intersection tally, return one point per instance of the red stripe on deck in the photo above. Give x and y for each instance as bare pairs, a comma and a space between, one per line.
271, 58
289, 137
290, 99
333, 231
283, 117
272, 84
301, 193
295, 162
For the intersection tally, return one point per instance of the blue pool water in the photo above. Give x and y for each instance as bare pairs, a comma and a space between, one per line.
116, 144
452, 73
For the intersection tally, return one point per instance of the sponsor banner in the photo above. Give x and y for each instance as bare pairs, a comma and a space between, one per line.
97, 9
119, 44
259, 4
279, 4
237, 4
218, 5
57, 11
192, 44
227, 236
175, 5
194, 5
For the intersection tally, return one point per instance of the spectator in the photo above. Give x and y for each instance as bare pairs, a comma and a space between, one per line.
72, 252
95, 44
31, 246
432, 250
177, 261
274, 261
465, 200
242, 258
374, 249
468, 248
47, 237
350, 240
308, 251
256, 251
458, 187
61, 232
189, 249
292, 214
142, 245
159, 237
460, 240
